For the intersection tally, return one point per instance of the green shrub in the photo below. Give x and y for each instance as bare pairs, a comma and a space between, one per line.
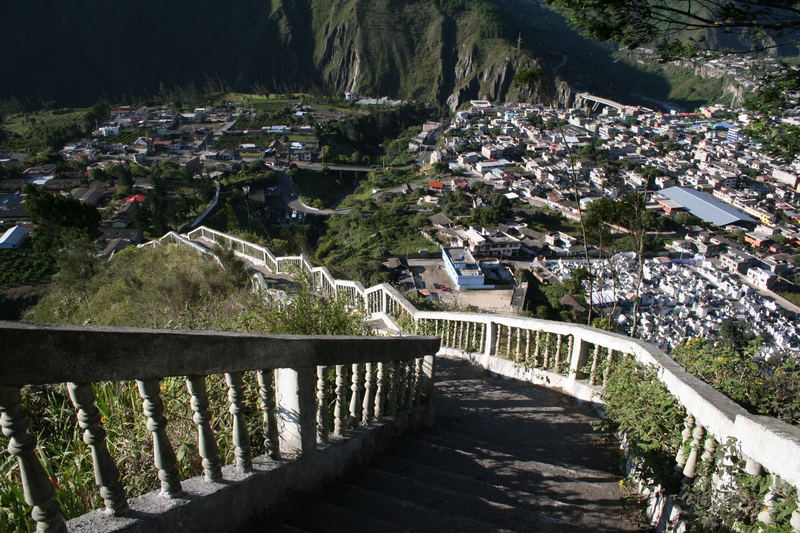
639, 405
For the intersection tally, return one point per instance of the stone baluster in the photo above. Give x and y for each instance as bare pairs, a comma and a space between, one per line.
709, 448
295, 394
690, 469
163, 454
499, 335
753, 467
380, 391
394, 371
475, 344
266, 394
686, 434
607, 369
338, 410
402, 384
411, 374
419, 380
518, 348
595, 361
546, 359
201, 416
37, 488
454, 334
241, 437
767, 514
578, 354
794, 521
322, 405
557, 360
367, 409
355, 396
484, 328
570, 345
106, 474
509, 338
537, 348
435, 328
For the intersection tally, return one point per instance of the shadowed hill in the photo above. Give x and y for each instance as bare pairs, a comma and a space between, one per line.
447, 51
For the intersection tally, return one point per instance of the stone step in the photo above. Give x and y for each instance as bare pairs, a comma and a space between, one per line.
274, 526
536, 478
528, 459
574, 513
460, 503
317, 515
412, 516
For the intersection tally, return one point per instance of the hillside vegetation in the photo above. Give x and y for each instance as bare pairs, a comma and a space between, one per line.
165, 287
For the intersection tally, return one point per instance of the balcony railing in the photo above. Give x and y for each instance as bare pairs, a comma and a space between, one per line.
371, 383
574, 358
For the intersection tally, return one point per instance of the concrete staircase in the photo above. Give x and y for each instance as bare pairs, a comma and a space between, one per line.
503, 456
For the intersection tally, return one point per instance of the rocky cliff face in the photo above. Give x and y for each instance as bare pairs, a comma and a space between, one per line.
412, 49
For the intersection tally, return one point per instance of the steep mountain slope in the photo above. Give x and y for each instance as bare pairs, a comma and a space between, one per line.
445, 51
74, 52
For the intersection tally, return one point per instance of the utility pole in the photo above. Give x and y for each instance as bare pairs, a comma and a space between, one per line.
246, 190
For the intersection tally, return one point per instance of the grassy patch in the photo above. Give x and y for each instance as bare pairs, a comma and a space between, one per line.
35, 132
232, 141
792, 296
126, 136
22, 268
325, 188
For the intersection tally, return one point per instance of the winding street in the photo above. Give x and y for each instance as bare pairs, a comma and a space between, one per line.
292, 199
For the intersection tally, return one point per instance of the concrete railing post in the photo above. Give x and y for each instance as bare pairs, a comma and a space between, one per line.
578, 357
426, 388
491, 338
295, 391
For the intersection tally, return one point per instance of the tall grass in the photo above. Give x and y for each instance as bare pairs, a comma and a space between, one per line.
166, 287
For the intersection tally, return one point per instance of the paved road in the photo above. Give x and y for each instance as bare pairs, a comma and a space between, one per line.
343, 168
292, 199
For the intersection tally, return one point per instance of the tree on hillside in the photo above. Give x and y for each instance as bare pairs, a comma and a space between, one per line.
677, 29
58, 219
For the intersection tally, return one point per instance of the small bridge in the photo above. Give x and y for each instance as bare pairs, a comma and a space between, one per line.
596, 101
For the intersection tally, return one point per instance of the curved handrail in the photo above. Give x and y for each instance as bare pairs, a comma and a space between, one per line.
36, 354
298, 376
712, 410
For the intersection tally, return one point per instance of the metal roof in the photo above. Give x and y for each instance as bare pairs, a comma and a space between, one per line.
705, 207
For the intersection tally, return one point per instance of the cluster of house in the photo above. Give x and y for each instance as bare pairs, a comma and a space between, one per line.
142, 134
695, 162
139, 134
681, 299
510, 239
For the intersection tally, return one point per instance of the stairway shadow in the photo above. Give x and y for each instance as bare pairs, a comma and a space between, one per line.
504, 455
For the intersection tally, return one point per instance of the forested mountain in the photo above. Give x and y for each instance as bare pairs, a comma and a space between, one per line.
446, 51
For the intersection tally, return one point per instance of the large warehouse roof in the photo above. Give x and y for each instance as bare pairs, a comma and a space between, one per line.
705, 207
